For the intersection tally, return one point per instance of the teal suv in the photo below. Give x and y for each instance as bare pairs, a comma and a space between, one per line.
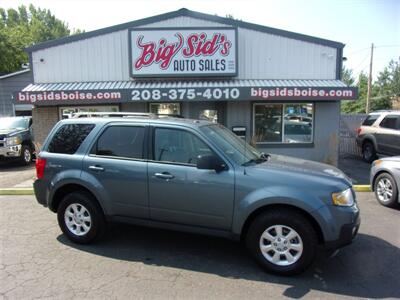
193, 176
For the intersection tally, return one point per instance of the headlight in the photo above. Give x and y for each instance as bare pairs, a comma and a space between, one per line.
15, 140
344, 198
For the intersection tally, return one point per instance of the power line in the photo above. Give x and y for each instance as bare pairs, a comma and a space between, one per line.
362, 61
379, 46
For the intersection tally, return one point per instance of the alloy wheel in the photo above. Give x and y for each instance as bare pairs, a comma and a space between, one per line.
281, 245
384, 190
77, 219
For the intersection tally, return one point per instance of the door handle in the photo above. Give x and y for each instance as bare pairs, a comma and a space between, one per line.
96, 168
164, 175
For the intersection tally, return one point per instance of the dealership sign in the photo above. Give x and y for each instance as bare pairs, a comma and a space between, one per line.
177, 52
187, 94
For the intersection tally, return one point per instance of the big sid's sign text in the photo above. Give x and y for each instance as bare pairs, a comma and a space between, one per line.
176, 52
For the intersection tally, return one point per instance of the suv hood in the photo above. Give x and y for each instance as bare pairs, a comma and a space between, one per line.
391, 158
303, 167
10, 131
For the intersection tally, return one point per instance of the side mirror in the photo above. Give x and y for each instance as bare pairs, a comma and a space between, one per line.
210, 162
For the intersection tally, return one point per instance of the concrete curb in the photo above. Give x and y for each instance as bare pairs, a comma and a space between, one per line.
29, 191
362, 188
16, 191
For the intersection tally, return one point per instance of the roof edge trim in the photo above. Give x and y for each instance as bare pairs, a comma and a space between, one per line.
14, 73
188, 13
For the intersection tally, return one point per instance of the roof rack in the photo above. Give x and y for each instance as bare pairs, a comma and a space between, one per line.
384, 110
112, 114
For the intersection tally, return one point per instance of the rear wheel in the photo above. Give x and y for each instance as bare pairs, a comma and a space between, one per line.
80, 218
282, 242
386, 191
368, 152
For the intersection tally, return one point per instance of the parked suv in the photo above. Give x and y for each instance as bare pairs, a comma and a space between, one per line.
16, 140
379, 134
193, 176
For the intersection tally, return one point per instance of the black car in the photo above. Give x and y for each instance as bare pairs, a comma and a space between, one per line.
16, 142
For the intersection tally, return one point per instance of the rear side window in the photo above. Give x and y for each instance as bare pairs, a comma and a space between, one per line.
390, 122
121, 141
69, 137
370, 120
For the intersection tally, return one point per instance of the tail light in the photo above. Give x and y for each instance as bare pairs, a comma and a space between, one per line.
358, 130
40, 166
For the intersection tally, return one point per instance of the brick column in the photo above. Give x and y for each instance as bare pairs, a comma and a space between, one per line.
44, 118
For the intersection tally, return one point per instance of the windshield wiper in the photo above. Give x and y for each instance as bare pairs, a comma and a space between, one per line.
263, 157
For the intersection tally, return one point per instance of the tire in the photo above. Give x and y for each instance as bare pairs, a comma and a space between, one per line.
26, 155
386, 190
368, 152
86, 219
304, 235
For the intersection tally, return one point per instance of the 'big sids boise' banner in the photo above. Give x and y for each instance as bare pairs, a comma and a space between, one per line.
177, 52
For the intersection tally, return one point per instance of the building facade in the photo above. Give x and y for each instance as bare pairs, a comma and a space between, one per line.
9, 84
279, 90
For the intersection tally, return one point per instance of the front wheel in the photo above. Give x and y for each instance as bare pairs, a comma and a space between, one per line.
282, 242
26, 155
386, 191
80, 218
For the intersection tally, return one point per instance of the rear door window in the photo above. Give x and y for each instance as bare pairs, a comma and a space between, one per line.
370, 120
69, 137
390, 122
121, 141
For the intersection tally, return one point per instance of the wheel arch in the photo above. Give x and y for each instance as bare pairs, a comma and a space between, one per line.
68, 188
376, 176
289, 207
370, 139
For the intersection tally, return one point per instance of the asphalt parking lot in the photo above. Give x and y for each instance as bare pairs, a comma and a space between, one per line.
134, 262
13, 174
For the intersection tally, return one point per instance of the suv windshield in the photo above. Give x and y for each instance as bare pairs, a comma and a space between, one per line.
14, 123
234, 147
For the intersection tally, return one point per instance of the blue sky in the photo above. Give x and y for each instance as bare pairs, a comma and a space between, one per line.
356, 23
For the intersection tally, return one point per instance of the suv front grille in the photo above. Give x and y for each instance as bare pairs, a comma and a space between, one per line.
2, 140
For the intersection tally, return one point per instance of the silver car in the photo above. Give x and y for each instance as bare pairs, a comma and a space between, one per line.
379, 134
385, 180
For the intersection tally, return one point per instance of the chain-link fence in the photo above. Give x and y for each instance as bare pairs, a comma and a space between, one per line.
348, 132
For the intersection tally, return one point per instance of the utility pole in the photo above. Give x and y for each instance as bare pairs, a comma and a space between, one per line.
367, 108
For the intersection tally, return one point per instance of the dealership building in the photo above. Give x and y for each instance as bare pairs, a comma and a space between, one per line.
280, 90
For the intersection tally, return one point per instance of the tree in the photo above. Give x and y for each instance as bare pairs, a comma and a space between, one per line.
347, 76
22, 28
385, 90
388, 85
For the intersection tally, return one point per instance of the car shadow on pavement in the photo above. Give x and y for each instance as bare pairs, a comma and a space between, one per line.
369, 268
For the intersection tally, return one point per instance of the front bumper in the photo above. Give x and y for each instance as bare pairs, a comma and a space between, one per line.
11, 151
347, 234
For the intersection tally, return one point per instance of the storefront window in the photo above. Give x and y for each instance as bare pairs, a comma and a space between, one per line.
67, 112
283, 123
165, 108
209, 115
